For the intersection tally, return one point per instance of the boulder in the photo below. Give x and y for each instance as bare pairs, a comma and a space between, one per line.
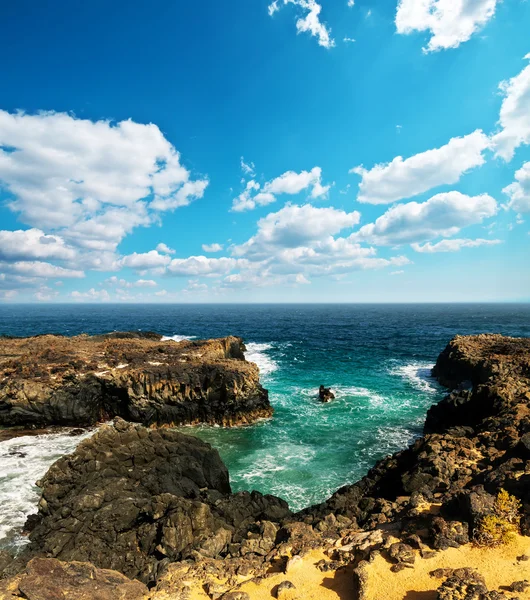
132, 499
325, 394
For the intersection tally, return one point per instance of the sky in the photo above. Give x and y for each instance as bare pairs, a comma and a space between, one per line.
265, 151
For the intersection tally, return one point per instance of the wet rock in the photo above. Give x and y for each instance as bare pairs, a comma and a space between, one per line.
83, 380
50, 579
325, 394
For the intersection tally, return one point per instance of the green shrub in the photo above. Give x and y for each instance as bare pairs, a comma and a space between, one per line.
502, 525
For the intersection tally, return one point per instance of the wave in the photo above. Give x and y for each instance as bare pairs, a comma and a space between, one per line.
257, 353
24, 461
347, 392
178, 338
418, 375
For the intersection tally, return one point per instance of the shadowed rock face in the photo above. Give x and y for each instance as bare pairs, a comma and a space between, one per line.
83, 380
133, 499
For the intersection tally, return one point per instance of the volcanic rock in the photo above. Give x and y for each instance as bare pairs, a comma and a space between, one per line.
325, 394
83, 380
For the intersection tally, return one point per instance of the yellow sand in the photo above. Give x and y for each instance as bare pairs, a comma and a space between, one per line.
498, 566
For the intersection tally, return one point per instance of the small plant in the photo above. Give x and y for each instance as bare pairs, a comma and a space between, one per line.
502, 525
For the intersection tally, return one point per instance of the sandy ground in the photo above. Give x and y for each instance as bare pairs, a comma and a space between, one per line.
500, 568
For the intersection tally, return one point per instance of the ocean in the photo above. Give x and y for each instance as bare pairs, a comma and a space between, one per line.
375, 358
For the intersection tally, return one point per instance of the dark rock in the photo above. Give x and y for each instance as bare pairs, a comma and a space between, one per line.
285, 591
402, 553
325, 394
50, 579
83, 380
463, 584
519, 586
448, 534
132, 498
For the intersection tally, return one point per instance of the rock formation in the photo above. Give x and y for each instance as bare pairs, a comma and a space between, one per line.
133, 499
156, 505
83, 380
325, 394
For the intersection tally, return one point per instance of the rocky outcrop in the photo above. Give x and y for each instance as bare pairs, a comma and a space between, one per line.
475, 444
50, 579
83, 380
134, 499
325, 394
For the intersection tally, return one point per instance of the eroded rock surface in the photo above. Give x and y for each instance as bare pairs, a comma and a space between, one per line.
50, 579
83, 380
133, 499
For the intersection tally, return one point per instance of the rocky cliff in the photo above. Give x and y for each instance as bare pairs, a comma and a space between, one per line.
157, 506
83, 380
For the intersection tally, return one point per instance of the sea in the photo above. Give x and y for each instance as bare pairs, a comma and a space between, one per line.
377, 360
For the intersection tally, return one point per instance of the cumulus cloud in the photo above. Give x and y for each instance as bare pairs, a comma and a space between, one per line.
450, 23
453, 245
403, 178
164, 249
514, 118
31, 244
290, 183
295, 225
145, 260
310, 22
248, 168
203, 266
519, 190
443, 215
212, 247
92, 295
61, 170
40, 269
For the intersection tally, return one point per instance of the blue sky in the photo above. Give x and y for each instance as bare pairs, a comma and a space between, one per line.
246, 151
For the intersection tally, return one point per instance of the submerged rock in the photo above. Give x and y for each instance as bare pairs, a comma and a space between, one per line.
133, 499
325, 394
83, 380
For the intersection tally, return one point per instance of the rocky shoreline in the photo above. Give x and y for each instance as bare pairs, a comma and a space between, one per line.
156, 505
83, 380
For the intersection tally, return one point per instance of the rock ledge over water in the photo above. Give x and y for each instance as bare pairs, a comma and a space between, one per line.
83, 380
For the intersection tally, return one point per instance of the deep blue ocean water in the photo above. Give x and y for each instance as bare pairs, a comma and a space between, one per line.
376, 358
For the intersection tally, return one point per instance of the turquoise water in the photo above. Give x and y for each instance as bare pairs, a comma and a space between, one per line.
376, 358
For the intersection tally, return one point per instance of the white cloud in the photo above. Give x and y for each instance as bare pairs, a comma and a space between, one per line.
348, 40
203, 266
453, 245
310, 23
36, 268
248, 168
145, 260
164, 249
397, 272
450, 22
289, 183
295, 225
31, 244
514, 118
403, 178
351, 3
519, 190
442, 215
212, 247
91, 295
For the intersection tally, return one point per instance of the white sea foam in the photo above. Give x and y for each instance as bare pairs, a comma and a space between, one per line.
24, 460
257, 353
418, 375
347, 392
177, 338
